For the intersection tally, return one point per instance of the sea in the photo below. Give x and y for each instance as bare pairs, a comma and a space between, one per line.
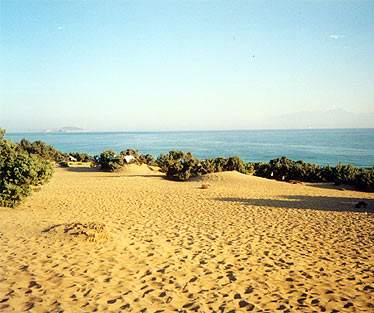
320, 146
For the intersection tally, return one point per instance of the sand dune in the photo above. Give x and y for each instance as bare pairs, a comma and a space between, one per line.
136, 242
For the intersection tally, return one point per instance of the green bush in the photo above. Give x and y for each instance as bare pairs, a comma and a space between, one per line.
364, 180
109, 161
327, 173
81, 157
219, 164
225, 164
148, 159
249, 168
235, 164
131, 152
286, 169
207, 166
139, 158
179, 165
344, 174
42, 149
19, 171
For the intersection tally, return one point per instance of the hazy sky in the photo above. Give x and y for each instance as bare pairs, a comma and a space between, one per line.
158, 65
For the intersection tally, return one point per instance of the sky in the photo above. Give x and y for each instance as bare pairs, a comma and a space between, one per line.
184, 65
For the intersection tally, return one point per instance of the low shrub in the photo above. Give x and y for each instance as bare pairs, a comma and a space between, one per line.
221, 164
207, 166
344, 174
134, 153
139, 158
148, 159
364, 179
179, 165
19, 171
250, 168
81, 156
109, 161
286, 169
327, 173
235, 164
42, 149
289, 170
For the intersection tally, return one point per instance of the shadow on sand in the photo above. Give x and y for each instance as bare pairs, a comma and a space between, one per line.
82, 169
330, 186
119, 174
141, 175
322, 203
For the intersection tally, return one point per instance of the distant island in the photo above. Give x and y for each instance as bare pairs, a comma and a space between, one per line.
65, 130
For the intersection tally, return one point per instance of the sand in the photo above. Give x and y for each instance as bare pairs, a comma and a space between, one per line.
135, 242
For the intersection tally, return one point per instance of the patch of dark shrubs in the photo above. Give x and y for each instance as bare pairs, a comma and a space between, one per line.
81, 157
109, 160
364, 180
342, 174
139, 158
41, 149
177, 165
19, 171
286, 169
180, 165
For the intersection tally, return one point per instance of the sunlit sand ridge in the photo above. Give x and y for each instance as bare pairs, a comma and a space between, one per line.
134, 241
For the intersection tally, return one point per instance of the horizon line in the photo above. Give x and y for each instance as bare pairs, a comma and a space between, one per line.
180, 131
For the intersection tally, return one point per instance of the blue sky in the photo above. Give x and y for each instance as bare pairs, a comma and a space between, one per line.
162, 65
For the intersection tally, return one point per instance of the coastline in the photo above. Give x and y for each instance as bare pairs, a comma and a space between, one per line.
319, 146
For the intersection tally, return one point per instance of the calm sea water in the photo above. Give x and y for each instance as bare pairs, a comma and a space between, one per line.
355, 146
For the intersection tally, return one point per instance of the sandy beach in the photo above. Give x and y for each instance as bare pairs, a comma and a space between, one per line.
90, 241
